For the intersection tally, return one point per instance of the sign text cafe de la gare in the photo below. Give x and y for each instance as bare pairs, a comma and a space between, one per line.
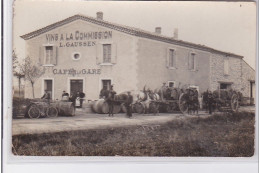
74, 72
78, 39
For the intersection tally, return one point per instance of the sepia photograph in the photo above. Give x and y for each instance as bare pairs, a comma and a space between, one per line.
153, 79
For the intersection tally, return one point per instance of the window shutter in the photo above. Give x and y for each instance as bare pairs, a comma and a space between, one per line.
114, 53
174, 59
226, 67
99, 53
41, 54
167, 57
54, 56
196, 63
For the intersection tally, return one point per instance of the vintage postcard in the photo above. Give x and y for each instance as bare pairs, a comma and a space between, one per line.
151, 79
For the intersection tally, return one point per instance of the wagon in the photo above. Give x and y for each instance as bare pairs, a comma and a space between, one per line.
169, 100
223, 100
179, 100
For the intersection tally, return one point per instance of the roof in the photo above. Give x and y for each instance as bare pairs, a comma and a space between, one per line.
128, 30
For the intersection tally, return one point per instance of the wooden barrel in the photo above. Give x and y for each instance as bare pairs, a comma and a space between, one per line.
104, 107
65, 108
97, 106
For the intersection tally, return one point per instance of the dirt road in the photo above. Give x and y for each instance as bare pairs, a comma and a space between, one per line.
83, 121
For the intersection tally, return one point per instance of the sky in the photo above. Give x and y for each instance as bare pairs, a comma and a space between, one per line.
225, 26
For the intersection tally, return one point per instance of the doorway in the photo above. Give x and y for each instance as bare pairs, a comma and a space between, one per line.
76, 85
48, 85
106, 83
225, 86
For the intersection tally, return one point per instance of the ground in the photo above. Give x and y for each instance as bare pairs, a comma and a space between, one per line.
221, 134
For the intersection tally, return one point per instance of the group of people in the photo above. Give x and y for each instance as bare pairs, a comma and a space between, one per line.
77, 98
109, 96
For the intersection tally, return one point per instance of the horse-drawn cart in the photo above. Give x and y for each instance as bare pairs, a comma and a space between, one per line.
222, 99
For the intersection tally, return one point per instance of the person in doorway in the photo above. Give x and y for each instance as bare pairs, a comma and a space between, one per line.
77, 101
110, 101
46, 96
128, 104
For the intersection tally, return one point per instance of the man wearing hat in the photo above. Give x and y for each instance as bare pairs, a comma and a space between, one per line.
128, 104
110, 101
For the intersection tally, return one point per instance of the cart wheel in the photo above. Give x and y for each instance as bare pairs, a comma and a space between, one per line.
139, 108
34, 112
234, 103
51, 112
183, 106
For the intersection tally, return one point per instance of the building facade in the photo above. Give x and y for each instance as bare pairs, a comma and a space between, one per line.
85, 54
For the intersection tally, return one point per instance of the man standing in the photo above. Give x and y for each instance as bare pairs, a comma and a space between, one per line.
102, 93
163, 90
110, 100
128, 104
210, 102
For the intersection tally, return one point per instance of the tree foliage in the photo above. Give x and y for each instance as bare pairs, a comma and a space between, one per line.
31, 71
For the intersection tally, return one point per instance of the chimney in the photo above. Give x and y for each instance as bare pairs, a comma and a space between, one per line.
158, 30
100, 15
175, 34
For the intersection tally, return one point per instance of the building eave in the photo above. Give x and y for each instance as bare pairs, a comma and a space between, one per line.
128, 30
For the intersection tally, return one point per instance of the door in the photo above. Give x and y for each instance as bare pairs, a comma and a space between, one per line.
48, 86
106, 84
76, 86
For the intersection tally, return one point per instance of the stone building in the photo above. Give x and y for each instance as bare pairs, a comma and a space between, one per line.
83, 53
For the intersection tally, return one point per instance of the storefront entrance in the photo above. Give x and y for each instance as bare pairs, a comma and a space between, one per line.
76, 86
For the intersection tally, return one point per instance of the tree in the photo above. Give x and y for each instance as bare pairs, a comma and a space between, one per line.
31, 71
16, 70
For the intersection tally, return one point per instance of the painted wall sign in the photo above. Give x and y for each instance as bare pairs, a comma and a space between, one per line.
78, 39
77, 35
74, 72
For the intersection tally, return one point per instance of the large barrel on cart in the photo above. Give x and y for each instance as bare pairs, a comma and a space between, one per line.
177, 99
223, 99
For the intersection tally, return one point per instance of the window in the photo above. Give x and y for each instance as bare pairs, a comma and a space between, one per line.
171, 84
225, 86
48, 54
192, 61
226, 67
76, 56
171, 58
106, 53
